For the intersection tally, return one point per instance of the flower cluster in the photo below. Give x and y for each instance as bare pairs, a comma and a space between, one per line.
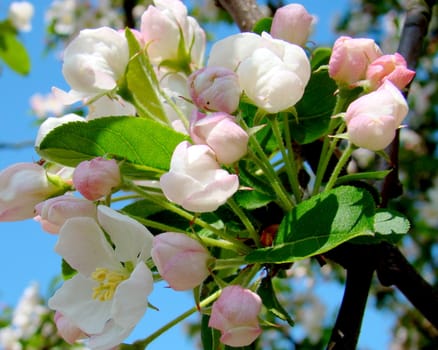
199, 152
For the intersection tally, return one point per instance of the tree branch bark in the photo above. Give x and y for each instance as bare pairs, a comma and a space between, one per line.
394, 269
410, 47
128, 6
244, 12
355, 259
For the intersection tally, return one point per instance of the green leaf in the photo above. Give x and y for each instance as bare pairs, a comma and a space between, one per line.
142, 87
314, 109
389, 222
66, 270
252, 199
209, 336
319, 224
369, 175
13, 52
269, 299
389, 226
320, 57
155, 218
145, 144
262, 25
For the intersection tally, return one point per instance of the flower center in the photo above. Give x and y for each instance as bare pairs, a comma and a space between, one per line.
108, 282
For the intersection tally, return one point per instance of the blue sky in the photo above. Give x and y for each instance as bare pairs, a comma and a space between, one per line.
27, 252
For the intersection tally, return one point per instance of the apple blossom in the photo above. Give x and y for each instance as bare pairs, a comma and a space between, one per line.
110, 107
391, 67
196, 181
292, 23
94, 61
62, 15
235, 314
215, 89
20, 15
30, 310
22, 186
180, 260
373, 118
232, 50
273, 73
172, 38
350, 59
96, 178
47, 105
68, 331
53, 212
108, 295
221, 132
52, 122
174, 85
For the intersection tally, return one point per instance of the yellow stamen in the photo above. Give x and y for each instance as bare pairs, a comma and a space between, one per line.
108, 282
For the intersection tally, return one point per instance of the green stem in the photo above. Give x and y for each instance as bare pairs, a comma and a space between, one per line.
342, 101
177, 110
154, 224
220, 243
245, 220
284, 199
341, 163
288, 155
247, 276
221, 264
124, 198
328, 148
145, 342
163, 203
261, 159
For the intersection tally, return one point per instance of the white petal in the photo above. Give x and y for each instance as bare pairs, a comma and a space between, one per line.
83, 245
130, 300
51, 123
129, 236
232, 50
74, 300
111, 336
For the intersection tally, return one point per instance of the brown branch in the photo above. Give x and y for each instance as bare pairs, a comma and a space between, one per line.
394, 269
355, 259
411, 47
128, 6
244, 12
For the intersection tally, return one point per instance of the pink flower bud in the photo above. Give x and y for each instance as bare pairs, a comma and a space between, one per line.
180, 260
67, 330
53, 212
292, 23
235, 314
195, 179
350, 59
22, 186
390, 67
373, 118
215, 89
96, 178
221, 132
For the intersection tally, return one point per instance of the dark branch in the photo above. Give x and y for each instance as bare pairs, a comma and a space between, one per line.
394, 269
345, 333
244, 12
411, 48
360, 268
128, 6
